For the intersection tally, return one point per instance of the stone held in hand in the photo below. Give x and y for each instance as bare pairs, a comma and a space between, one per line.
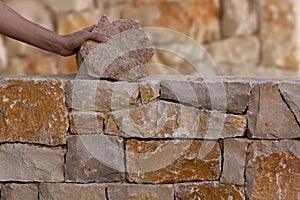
124, 56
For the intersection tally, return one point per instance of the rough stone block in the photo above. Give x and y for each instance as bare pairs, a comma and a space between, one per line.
149, 91
241, 51
99, 95
163, 119
138, 192
173, 161
20, 191
240, 17
71, 191
208, 191
86, 122
28, 163
95, 158
33, 111
235, 151
123, 56
272, 170
270, 116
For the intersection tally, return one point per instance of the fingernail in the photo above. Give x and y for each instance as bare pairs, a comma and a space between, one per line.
104, 37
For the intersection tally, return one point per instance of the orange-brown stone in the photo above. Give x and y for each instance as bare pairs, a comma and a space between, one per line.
32, 111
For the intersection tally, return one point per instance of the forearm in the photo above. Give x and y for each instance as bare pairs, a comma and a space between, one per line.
15, 26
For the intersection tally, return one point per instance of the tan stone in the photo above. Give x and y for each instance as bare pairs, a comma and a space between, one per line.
123, 56
234, 156
66, 65
208, 191
27, 163
86, 122
197, 19
140, 192
100, 95
269, 115
71, 191
67, 6
94, 158
278, 33
272, 170
3, 56
240, 17
169, 120
19, 191
173, 161
33, 111
242, 51
149, 91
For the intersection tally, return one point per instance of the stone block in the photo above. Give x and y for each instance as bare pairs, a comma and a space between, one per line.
163, 119
123, 56
28, 163
234, 156
71, 191
241, 51
278, 33
20, 191
240, 17
86, 122
208, 191
33, 111
138, 192
272, 170
60, 6
173, 161
149, 91
95, 158
100, 95
270, 116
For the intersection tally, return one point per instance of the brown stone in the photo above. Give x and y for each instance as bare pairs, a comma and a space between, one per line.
163, 119
173, 161
33, 111
99, 95
94, 158
241, 51
28, 163
20, 191
123, 56
208, 191
269, 115
71, 191
239, 17
149, 91
86, 122
235, 151
272, 170
140, 192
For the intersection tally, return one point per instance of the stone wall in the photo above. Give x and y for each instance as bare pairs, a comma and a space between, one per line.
170, 137
244, 37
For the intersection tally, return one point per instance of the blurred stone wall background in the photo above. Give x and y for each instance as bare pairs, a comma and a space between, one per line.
244, 37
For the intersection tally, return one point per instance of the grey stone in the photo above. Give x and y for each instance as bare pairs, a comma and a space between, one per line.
20, 191
86, 122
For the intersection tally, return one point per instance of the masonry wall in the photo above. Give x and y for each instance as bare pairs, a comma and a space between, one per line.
246, 37
169, 137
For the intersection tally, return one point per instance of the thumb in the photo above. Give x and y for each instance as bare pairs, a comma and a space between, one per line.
98, 37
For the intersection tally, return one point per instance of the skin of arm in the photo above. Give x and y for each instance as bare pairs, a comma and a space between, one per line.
15, 26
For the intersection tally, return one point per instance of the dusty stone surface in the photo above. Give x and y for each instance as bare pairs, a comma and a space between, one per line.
239, 17
86, 122
235, 51
173, 161
139, 192
235, 151
163, 119
278, 33
269, 115
149, 91
208, 191
94, 158
99, 95
19, 191
71, 191
28, 163
272, 170
32, 110
123, 56
224, 94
